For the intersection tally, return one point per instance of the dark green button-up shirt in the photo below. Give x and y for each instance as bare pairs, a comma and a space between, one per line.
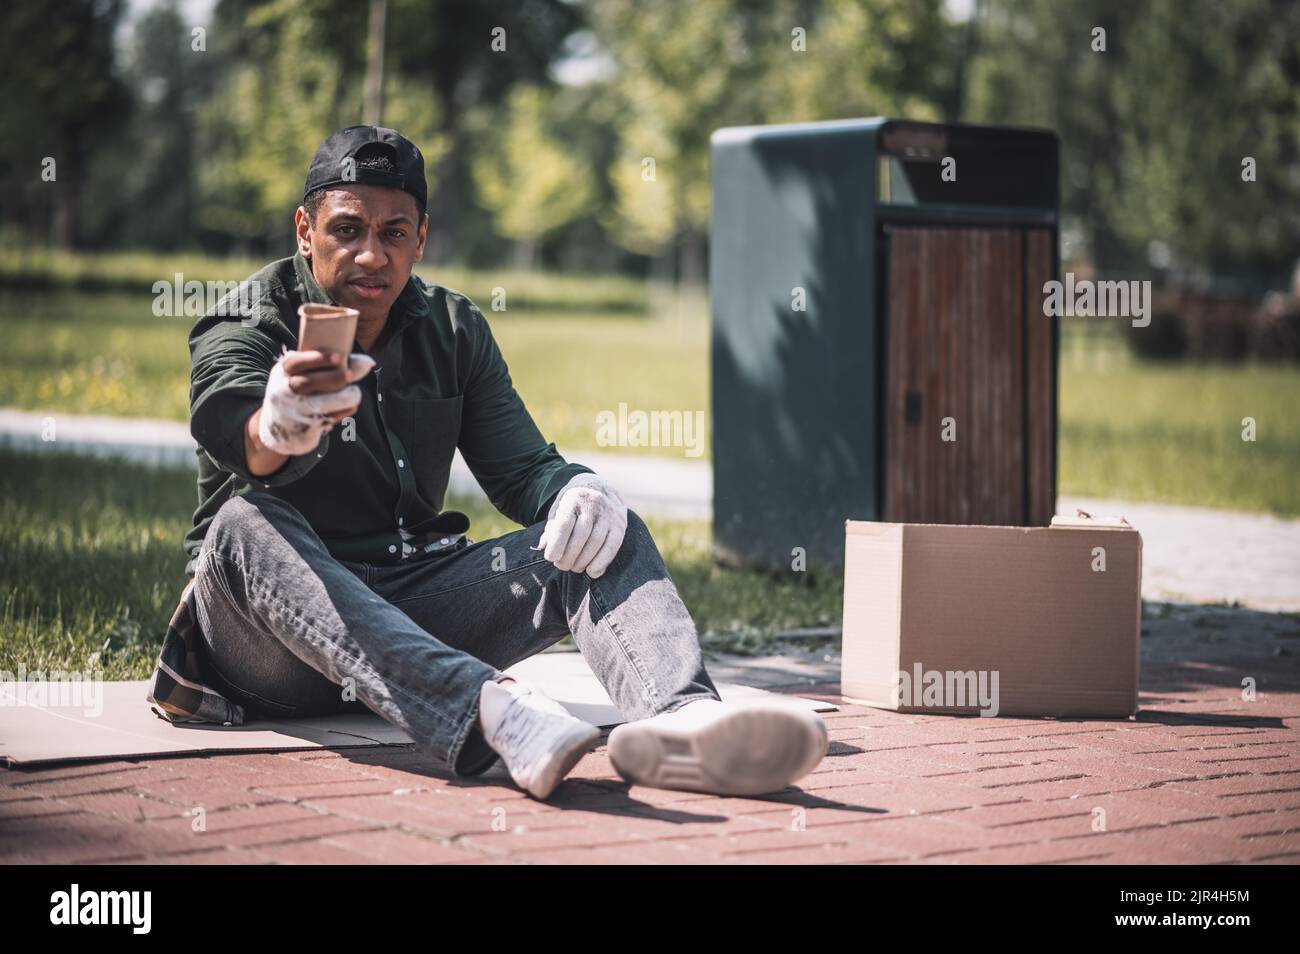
372, 483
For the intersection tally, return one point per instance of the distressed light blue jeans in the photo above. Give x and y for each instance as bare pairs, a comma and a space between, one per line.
290, 631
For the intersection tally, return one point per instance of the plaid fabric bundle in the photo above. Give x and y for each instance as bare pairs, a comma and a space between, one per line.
178, 693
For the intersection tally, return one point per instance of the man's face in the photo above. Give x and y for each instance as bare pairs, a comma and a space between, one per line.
363, 245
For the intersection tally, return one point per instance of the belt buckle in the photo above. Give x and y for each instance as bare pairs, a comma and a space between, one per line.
434, 546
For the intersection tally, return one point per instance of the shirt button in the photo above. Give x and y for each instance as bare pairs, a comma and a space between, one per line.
381, 397
401, 520
445, 541
392, 548
400, 462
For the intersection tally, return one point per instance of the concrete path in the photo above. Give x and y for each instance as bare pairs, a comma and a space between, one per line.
1189, 554
661, 486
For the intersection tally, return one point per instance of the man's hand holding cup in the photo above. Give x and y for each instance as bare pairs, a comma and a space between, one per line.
307, 393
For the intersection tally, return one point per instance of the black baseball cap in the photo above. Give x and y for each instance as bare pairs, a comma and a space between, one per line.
329, 168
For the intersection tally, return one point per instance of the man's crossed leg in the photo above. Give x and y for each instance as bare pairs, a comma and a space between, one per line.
292, 631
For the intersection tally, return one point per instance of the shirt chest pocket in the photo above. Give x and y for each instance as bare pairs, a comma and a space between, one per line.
430, 429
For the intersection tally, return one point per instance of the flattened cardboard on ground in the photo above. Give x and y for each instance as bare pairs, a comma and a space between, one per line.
1029, 603
125, 725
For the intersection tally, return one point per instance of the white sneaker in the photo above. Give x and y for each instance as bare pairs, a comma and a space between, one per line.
726, 748
536, 737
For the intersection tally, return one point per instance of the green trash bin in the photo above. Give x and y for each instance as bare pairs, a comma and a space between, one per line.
879, 347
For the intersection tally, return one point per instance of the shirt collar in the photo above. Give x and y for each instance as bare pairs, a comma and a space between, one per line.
410, 304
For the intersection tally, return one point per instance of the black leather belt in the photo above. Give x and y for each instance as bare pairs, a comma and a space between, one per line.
446, 531
446, 542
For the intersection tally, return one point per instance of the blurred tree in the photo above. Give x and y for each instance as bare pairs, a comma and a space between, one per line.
174, 146
1155, 129
586, 115
61, 94
294, 70
529, 180
292, 74
688, 67
149, 162
459, 56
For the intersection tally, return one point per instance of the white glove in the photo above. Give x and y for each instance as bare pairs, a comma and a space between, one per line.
293, 423
585, 526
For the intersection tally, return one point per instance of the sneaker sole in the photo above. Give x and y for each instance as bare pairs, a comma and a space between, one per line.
748, 751
575, 745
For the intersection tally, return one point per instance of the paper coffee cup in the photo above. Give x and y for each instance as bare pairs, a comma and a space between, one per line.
331, 327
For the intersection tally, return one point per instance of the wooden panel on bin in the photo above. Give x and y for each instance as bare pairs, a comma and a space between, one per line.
955, 333
1040, 345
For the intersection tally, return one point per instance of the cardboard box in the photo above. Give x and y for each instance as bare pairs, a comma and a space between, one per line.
1027, 621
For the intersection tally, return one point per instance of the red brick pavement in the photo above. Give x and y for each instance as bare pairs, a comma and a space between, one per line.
1199, 776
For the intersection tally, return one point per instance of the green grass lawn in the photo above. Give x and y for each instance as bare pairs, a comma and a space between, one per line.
55, 270
1173, 432
91, 567
1128, 430
90, 554
107, 353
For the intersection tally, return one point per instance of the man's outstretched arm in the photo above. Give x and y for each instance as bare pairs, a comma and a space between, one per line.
307, 393
239, 375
